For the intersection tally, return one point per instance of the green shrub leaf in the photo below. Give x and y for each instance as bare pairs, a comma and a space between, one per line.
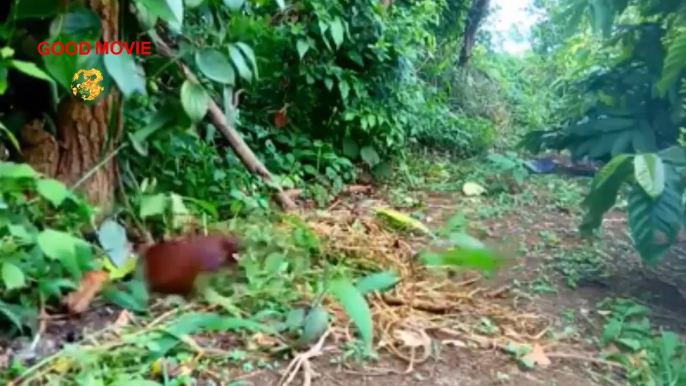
355, 306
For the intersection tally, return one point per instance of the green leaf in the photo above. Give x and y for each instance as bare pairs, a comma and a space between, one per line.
12, 276
20, 232
336, 26
650, 174
344, 88
674, 63
214, 65
404, 220
112, 238
483, 259
314, 326
239, 61
281, 4
61, 246
350, 148
10, 312
13, 170
153, 205
250, 55
122, 68
604, 190
234, 5
381, 281
27, 9
31, 69
355, 306
295, 319
195, 100
611, 331
195, 3
370, 156
654, 223
302, 46
79, 25
53, 191
170, 11
382, 171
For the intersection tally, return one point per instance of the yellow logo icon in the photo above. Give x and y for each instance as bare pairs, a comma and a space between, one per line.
86, 87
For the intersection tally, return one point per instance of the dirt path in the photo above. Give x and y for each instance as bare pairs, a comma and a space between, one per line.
554, 276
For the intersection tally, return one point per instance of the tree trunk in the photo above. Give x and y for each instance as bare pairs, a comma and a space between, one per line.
476, 15
83, 138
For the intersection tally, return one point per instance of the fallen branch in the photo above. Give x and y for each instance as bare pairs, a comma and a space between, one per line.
242, 150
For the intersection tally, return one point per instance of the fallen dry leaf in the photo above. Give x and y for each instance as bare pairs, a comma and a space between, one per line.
537, 356
91, 282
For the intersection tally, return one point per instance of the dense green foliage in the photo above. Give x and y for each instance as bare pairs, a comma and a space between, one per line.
624, 98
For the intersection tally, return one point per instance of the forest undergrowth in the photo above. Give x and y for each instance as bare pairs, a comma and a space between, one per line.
535, 309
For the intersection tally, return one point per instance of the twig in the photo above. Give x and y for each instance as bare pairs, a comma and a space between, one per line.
303, 360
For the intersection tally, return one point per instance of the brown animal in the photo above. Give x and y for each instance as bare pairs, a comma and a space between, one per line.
171, 267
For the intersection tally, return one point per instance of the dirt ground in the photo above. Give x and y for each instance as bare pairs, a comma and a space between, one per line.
535, 283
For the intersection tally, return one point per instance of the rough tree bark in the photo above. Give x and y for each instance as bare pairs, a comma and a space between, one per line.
476, 15
82, 132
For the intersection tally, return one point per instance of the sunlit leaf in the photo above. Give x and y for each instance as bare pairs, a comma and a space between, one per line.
12, 276
381, 281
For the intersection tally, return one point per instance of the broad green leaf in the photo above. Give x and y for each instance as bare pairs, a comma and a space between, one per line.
650, 174
79, 25
654, 223
52, 190
604, 190
380, 281
302, 46
27, 9
355, 306
13, 170
295, 319
20, 232
239, 61
9, 311
234, 5
483, 259
153, 205
370, 156
673, 64
350, 148
61, 246
170, 11
123, 70
12, 276
314, 325
112, 238
337, 31
31, 69
382, 171
195, 100
611, 331
214, 65
344, 88
195, 3
250, 55
675, 155
214, 298
404, 220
